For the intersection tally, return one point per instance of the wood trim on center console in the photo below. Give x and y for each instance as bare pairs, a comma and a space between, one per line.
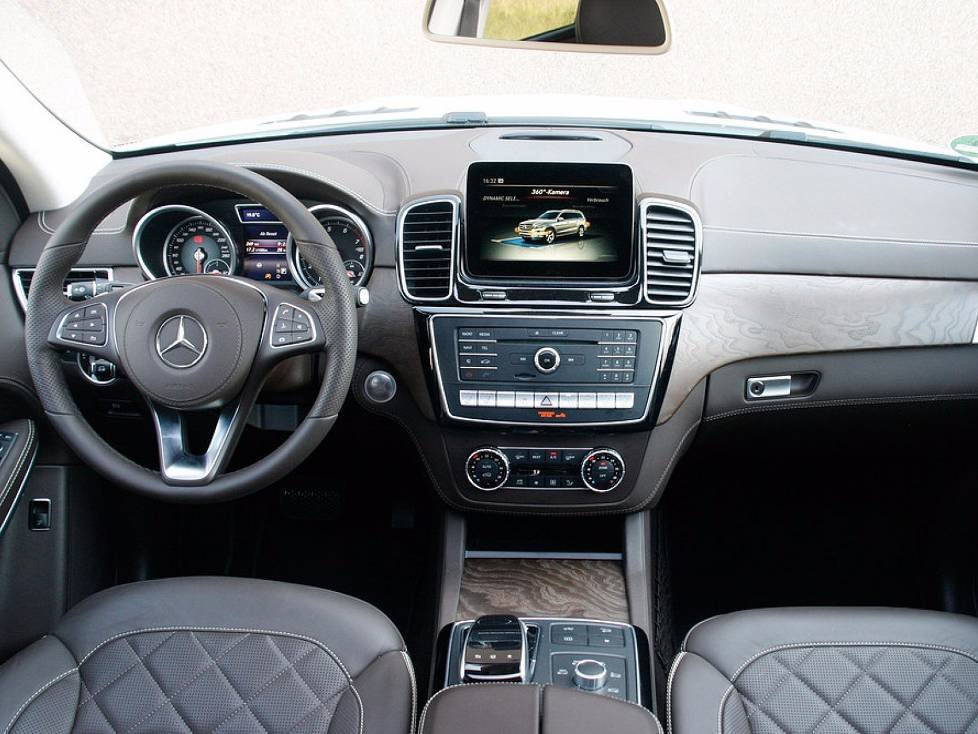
541, 587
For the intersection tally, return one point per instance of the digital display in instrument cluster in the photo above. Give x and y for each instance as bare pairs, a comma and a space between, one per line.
266, 253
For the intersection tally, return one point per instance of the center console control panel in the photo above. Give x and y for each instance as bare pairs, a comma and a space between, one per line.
594, 656
599, 470
540, 370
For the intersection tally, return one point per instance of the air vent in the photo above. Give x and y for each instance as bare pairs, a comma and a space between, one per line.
427, 233
672, 252
23, 277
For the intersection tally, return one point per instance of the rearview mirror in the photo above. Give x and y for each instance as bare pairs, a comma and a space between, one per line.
608, 26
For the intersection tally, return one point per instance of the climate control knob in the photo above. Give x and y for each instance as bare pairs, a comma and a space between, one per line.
487, 469
590, 675
602, 470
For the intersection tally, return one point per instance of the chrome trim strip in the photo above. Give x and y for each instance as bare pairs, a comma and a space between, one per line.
456, 203
141, 225
545, 555
669, 324
293, 254
644, 205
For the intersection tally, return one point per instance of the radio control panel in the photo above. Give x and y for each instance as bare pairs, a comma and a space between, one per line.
540, 370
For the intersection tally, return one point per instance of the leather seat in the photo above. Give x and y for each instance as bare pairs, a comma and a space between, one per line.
827, 670
213, 655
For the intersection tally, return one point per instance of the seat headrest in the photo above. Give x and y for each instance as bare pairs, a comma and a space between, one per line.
620, 23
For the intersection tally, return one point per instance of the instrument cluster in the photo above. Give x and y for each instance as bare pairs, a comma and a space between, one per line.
235, 237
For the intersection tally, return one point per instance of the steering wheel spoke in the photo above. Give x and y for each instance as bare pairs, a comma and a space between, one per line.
179, 465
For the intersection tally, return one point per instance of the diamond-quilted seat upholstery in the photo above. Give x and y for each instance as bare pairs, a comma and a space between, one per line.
827, 671
213, 655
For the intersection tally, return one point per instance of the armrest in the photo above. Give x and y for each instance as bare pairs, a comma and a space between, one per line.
514, 708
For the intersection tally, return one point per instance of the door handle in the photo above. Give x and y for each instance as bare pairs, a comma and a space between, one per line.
781, 386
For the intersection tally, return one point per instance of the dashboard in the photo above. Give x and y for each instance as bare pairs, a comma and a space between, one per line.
552, 317
238, 237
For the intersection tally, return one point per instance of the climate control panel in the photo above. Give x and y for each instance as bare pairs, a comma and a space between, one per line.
598, 470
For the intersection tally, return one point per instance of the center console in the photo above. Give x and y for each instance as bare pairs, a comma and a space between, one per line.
525, 370
547, 298
587, 655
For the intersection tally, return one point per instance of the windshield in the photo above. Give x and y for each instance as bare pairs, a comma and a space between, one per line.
548, 215
129, 75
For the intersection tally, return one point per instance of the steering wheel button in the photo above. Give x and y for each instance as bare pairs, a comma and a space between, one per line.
281, 340
283, 327
299, 327
300, 317
300, 337
86, 325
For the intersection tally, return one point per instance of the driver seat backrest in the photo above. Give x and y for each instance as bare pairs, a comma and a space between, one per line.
212, 655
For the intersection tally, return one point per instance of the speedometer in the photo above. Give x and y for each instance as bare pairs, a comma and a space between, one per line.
199, 245
352, 239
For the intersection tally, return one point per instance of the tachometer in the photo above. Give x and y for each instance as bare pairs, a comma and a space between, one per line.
352, 239
199, 245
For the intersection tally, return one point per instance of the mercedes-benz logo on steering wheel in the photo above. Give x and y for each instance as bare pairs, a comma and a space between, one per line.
181, 341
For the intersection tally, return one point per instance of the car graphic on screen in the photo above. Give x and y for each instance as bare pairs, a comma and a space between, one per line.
552, 224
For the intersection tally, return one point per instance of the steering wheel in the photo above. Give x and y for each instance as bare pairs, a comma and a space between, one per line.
192, 342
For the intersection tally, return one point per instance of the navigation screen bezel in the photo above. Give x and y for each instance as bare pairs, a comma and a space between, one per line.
615, 221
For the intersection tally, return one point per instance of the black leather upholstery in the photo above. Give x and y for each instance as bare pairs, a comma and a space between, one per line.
827, 670
213, 655
514, 708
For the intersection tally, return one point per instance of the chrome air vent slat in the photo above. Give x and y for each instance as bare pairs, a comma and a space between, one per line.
672, 252
427, 235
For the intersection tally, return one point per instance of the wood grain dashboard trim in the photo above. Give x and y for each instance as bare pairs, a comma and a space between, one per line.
743, 316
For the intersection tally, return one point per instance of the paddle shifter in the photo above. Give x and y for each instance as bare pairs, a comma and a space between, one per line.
495, 649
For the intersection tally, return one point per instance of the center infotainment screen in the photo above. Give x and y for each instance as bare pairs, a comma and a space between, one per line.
549, 221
